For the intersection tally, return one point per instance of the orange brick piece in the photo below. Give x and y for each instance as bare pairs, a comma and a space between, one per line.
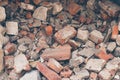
73, 8
48, 73
114, 32
49, 30
58, 53
103, 55
55, 65
63, 35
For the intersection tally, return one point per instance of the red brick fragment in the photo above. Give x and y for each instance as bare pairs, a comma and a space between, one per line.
114, 32
58, 53
49, 30
48, 73
9, 48
55, 65
73, 8
104, 55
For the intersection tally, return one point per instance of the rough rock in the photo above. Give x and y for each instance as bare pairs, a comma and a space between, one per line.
40, 13
57, 7
63, 35
81, 36
111, 46
96, 36
12, 28
95, 64
20, 63
32, 75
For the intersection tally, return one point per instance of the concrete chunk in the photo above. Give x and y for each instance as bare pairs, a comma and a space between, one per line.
40, 13
63, 35
32, 75
111, 46
76, 61
87, 52
83, 35
95, 64
20, 63
12, 28
96, 36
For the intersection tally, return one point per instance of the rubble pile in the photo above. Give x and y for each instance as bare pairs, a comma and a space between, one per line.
59, 40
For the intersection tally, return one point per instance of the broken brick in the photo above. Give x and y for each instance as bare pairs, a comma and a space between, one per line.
114, 32
48, 73
58, 53
10, 48
73, 8
49, 30
96, 36
55, 65
103, 55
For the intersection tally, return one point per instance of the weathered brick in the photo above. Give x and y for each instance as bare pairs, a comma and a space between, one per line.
73, 8
58, 53
55, 65
48, 73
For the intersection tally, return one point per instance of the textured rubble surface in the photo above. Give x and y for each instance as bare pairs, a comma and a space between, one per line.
59, 39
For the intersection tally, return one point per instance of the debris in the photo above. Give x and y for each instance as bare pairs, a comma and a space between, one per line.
95, 64
32, 75
20, 63
57, 7
58, 53
96, 36
63, 35
12, 28
48, 73
53, 64
40, 13
81, 36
